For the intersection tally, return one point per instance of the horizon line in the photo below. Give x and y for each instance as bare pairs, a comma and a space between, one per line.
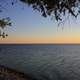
39, 43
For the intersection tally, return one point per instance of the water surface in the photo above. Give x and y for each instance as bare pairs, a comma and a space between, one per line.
44, 62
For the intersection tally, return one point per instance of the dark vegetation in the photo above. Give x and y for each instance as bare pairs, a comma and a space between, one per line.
3, 23
55, 8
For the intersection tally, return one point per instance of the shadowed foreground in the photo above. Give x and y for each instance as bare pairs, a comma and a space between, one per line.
10, 74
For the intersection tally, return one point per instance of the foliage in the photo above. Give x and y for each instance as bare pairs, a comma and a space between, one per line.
58, 8
3, 23
55, 8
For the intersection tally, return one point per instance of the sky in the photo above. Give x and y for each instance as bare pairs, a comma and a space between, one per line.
28, 26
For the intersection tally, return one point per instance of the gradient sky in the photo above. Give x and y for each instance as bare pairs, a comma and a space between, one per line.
30, 27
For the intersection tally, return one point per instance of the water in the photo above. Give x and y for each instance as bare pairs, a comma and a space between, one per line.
43, 62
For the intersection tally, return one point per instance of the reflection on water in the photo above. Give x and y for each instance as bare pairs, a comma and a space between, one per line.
0, 49
44, 62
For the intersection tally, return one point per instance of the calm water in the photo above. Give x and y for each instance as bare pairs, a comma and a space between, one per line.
44, 62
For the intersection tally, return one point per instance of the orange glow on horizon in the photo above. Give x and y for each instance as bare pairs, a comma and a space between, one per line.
39, 40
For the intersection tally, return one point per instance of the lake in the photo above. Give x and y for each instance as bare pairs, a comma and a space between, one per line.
43, 61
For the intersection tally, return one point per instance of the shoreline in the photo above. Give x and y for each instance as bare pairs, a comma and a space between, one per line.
11, 74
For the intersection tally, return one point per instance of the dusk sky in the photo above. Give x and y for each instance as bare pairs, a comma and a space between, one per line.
30, 27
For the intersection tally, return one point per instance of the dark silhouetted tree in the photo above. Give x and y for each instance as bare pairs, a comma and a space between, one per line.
51, 7
56, 8
3, 23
